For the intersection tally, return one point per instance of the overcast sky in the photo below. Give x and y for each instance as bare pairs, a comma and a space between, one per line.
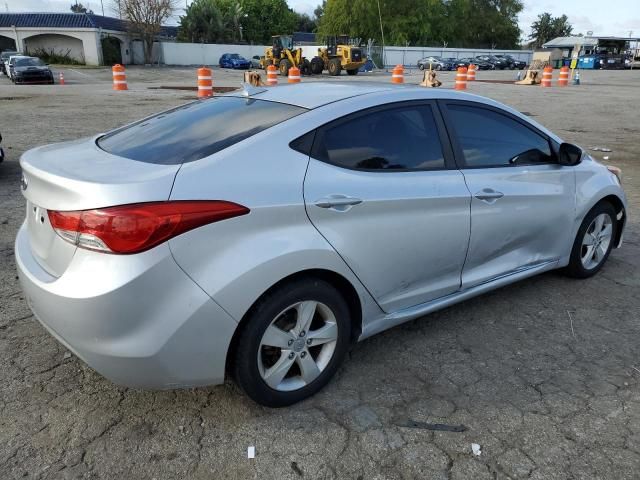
614, 17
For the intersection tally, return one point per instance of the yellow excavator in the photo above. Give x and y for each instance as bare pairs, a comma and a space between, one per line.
338, 55
282, 54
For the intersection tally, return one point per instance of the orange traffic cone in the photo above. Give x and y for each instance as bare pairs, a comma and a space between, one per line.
461, 78
547, 75
563, 79
272, 76
61, 78
397, 76
205, 82
471, 73
294, 75
119, 78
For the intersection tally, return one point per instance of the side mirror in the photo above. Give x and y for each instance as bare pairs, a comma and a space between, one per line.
569, 155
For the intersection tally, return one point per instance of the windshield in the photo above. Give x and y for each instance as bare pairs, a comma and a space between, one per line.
6, 55
234, 55
29, 62
195, 130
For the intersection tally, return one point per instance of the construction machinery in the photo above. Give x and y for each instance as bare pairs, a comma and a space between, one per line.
282, 54
339, 54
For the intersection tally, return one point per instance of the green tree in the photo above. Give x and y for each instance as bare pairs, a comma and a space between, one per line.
304, 23
459, 23
79, 8
202, 23
547, 28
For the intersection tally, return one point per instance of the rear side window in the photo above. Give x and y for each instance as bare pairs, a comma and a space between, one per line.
195, 130
401, 138
490, 139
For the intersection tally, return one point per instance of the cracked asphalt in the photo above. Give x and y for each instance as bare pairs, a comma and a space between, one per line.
544, 375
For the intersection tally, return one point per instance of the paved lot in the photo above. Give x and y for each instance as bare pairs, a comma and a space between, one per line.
544, 374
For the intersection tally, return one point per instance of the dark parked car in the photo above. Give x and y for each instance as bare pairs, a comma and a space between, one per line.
30, 70
435, 63
457, 62
480, 65
512, 63
4, 56
498, 64
233, 60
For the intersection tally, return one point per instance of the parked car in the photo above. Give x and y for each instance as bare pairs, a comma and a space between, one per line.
255, 61
435, 63
497, 63
189, 250
8, 65
4, 56
233, 60
31, 70
512, 62
480, 65
454, 63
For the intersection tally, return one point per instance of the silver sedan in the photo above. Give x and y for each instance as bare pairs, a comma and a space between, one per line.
263, 232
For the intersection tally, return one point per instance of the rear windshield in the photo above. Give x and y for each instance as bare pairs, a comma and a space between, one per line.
195, 130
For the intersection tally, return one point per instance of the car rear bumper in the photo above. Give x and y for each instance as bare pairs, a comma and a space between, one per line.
138, 320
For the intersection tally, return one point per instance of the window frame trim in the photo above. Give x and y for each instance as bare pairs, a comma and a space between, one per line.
447, 152
456, 145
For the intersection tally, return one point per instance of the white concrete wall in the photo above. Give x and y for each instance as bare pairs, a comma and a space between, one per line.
203, 53
208, 54
58, 38
60, 44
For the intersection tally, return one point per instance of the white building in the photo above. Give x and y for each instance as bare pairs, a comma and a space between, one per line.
88, 38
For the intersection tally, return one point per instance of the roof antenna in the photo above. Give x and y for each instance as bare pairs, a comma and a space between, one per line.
249, 90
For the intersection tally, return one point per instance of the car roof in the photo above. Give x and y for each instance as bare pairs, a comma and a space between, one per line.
316, 94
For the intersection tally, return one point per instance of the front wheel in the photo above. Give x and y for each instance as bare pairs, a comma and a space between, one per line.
334, 67
594, 241
295, 339
285, 65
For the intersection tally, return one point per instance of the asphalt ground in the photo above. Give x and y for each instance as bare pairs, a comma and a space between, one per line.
544, 375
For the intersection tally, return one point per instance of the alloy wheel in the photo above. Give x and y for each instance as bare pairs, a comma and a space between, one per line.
297, 345
596, 241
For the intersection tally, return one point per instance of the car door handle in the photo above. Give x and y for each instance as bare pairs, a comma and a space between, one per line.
488, 195
339, 202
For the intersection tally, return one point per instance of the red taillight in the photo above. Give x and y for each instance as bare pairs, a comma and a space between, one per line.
138, 227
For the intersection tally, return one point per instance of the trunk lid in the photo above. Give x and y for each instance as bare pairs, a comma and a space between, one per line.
79, 175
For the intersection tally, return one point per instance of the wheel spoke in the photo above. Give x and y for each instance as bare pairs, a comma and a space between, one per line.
598, 224
275, 337
327, 333
589, 239
274, 375
306, 311
308, 368
600, 253
588, 256
606, 231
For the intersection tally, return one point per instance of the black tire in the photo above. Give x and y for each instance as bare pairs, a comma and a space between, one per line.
421, 66
284, 67
438, 67
352, 72
246, 370
575, 268
317, 65
334, 67
305, 67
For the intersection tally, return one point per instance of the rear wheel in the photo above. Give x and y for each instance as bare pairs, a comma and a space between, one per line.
438, 67
421, 66
352, 72
334, 67
317, 65
293, 342
594, 241
285, 65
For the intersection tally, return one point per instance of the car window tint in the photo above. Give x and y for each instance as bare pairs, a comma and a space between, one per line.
404, 138
490, 139
195, 130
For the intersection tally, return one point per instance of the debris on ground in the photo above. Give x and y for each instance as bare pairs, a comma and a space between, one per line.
439, 427
475, 448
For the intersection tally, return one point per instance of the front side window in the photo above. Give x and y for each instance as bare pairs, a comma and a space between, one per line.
195, 130
401, 138
491, 139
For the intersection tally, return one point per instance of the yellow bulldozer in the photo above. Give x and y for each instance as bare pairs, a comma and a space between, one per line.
338, 55
282, 54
